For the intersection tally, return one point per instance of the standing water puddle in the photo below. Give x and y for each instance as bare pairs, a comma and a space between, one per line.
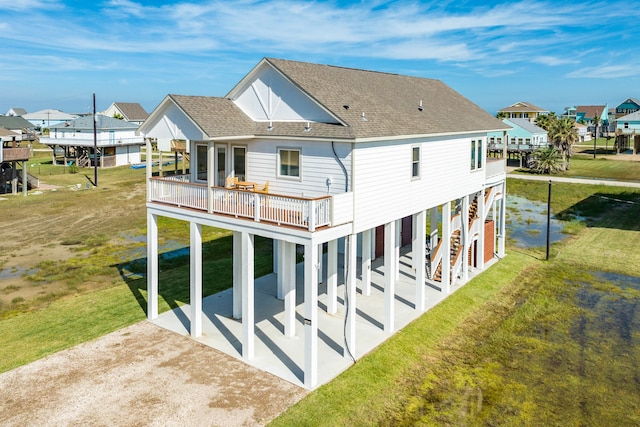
527, 223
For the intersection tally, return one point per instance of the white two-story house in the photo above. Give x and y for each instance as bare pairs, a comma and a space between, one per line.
354, 161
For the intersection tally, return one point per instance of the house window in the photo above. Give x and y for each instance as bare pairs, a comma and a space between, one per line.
289, 162
201, 162
476, 154
240, 163
473, 155
626, 125
415, 162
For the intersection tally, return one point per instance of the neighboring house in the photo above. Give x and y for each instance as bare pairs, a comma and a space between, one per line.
628, 133
116, 141
129, 111
523, 136
12, 156
19, 125
628, 106
44, 119
353, 159
523, 110
586, 114
583, 132
16, 112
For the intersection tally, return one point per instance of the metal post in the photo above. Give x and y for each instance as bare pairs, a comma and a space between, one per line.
95, 145
548, 219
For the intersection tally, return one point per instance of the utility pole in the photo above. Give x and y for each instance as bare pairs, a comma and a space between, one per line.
95, 145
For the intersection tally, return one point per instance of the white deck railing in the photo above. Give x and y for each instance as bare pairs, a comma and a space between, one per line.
294, 211
495, 167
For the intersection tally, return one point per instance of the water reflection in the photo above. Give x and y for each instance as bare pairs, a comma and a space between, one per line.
527, 223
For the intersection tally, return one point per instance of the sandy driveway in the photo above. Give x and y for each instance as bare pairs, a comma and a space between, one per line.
142, 375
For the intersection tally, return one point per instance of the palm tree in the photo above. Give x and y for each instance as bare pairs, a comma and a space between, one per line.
545, 121
563, 135
546, 160
502, 115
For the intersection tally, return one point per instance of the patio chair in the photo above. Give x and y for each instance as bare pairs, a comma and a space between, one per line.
262, 188
231, 182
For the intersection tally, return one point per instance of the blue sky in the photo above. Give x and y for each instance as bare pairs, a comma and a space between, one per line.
56, 54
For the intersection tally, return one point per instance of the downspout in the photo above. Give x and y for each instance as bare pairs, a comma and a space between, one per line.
344, 169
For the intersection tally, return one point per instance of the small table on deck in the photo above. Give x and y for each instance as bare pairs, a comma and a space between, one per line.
245, 185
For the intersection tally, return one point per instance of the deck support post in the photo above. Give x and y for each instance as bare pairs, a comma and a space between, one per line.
389, 275
195, 279
466, 237
332, 276
310, 316
350, 296
445, 247
481, 217
281, 267
152, 266
248, 296
366, 261
419, 255
502, 221
288, 272
237, 276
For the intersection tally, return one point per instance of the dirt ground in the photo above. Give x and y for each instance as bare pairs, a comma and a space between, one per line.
142, 375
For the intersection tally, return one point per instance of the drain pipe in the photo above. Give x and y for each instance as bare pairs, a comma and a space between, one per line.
344, 170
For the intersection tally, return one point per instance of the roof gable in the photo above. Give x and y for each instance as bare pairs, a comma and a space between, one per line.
526, 125
524, 107
588, 112
265, 94
131, 111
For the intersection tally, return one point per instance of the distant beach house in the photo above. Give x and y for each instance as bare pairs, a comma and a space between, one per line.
16, 111
116, 140
130, 111
44, 119
311, 155
523, 110
523, 138
628, 133
628, 106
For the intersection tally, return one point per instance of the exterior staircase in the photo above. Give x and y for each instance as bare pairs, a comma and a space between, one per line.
456, 247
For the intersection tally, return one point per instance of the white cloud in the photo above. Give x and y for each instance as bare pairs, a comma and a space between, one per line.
606, 72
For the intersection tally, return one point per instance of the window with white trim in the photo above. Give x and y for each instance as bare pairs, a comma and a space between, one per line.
476, 154
415, 162
289, 162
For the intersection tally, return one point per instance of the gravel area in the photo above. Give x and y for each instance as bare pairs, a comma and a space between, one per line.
142, 375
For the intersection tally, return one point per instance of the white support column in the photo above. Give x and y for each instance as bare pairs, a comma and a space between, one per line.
281, 267
466, 238
332, 276
389, 275
502, 236
248, 296
434, 227
288, 250
211, 177
446, 247
274, 258
481, 217
350, 296
320, 267
397, 243
195, 278
152, 266
366, 261
310, 316
419, 255
237, 276
148, 169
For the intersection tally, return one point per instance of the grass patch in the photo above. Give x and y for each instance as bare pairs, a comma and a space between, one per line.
518, 345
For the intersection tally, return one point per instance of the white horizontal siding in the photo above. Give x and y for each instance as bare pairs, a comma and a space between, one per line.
317, 164
385, 191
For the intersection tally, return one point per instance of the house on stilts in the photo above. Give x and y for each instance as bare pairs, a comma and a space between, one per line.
380, 181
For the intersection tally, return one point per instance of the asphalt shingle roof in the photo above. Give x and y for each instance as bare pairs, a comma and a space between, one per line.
15, 122
102, 123
390, 103
132, 111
